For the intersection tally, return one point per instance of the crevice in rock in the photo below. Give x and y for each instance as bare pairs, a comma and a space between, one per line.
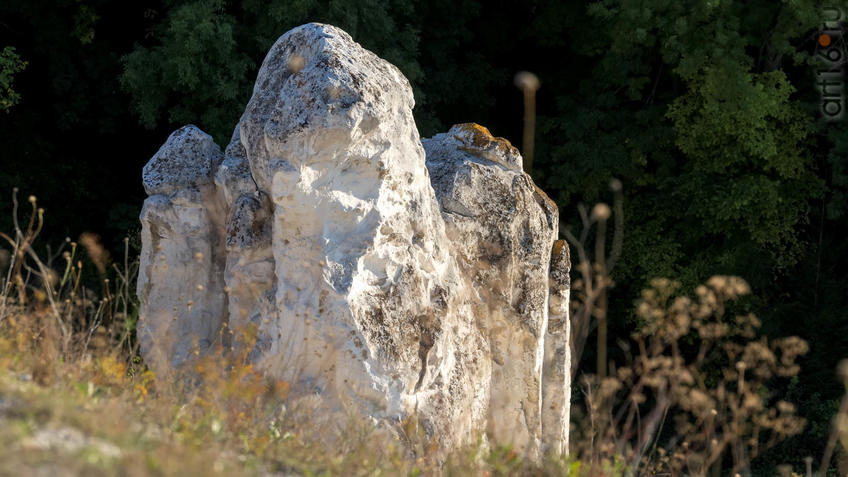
425, 344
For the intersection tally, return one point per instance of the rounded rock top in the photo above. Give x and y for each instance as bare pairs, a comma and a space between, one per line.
476, 141
188, 158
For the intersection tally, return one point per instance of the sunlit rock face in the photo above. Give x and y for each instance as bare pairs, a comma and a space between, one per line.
322, 244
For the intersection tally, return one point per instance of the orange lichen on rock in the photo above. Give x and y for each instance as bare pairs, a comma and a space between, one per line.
479, 141
479, 136
558, 245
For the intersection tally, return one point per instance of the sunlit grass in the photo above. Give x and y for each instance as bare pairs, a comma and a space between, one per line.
76, 399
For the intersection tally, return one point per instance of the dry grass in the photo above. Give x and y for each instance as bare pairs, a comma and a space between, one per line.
75, 398
692, 397
700, 371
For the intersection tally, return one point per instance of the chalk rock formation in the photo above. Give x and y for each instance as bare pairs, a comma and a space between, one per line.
369, 306
369, 277
502, 228
180, 282
249, 271
556, 373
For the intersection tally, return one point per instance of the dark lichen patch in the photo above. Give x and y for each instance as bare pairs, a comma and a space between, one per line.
246, 226
439, 298
376, 331
425, 344
560, 258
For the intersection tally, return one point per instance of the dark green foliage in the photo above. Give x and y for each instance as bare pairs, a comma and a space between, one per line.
696, 124
10, 64
707, 111
197, 74
202, 65
72, 140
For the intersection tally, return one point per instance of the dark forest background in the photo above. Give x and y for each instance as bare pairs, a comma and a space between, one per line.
707, 111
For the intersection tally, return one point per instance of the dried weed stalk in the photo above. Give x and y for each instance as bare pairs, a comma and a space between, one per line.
693, 395
46, 306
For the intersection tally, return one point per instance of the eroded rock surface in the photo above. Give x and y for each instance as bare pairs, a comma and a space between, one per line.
180, 282
502, 228
556, 373
366, 276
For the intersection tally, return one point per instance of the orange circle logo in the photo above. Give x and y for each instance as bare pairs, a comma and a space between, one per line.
824, 40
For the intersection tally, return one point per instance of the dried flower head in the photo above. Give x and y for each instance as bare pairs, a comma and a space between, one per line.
601, 212
527, 81
95, 250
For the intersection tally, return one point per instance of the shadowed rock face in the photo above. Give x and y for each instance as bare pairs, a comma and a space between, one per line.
373, 279
180, 282
502, 229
